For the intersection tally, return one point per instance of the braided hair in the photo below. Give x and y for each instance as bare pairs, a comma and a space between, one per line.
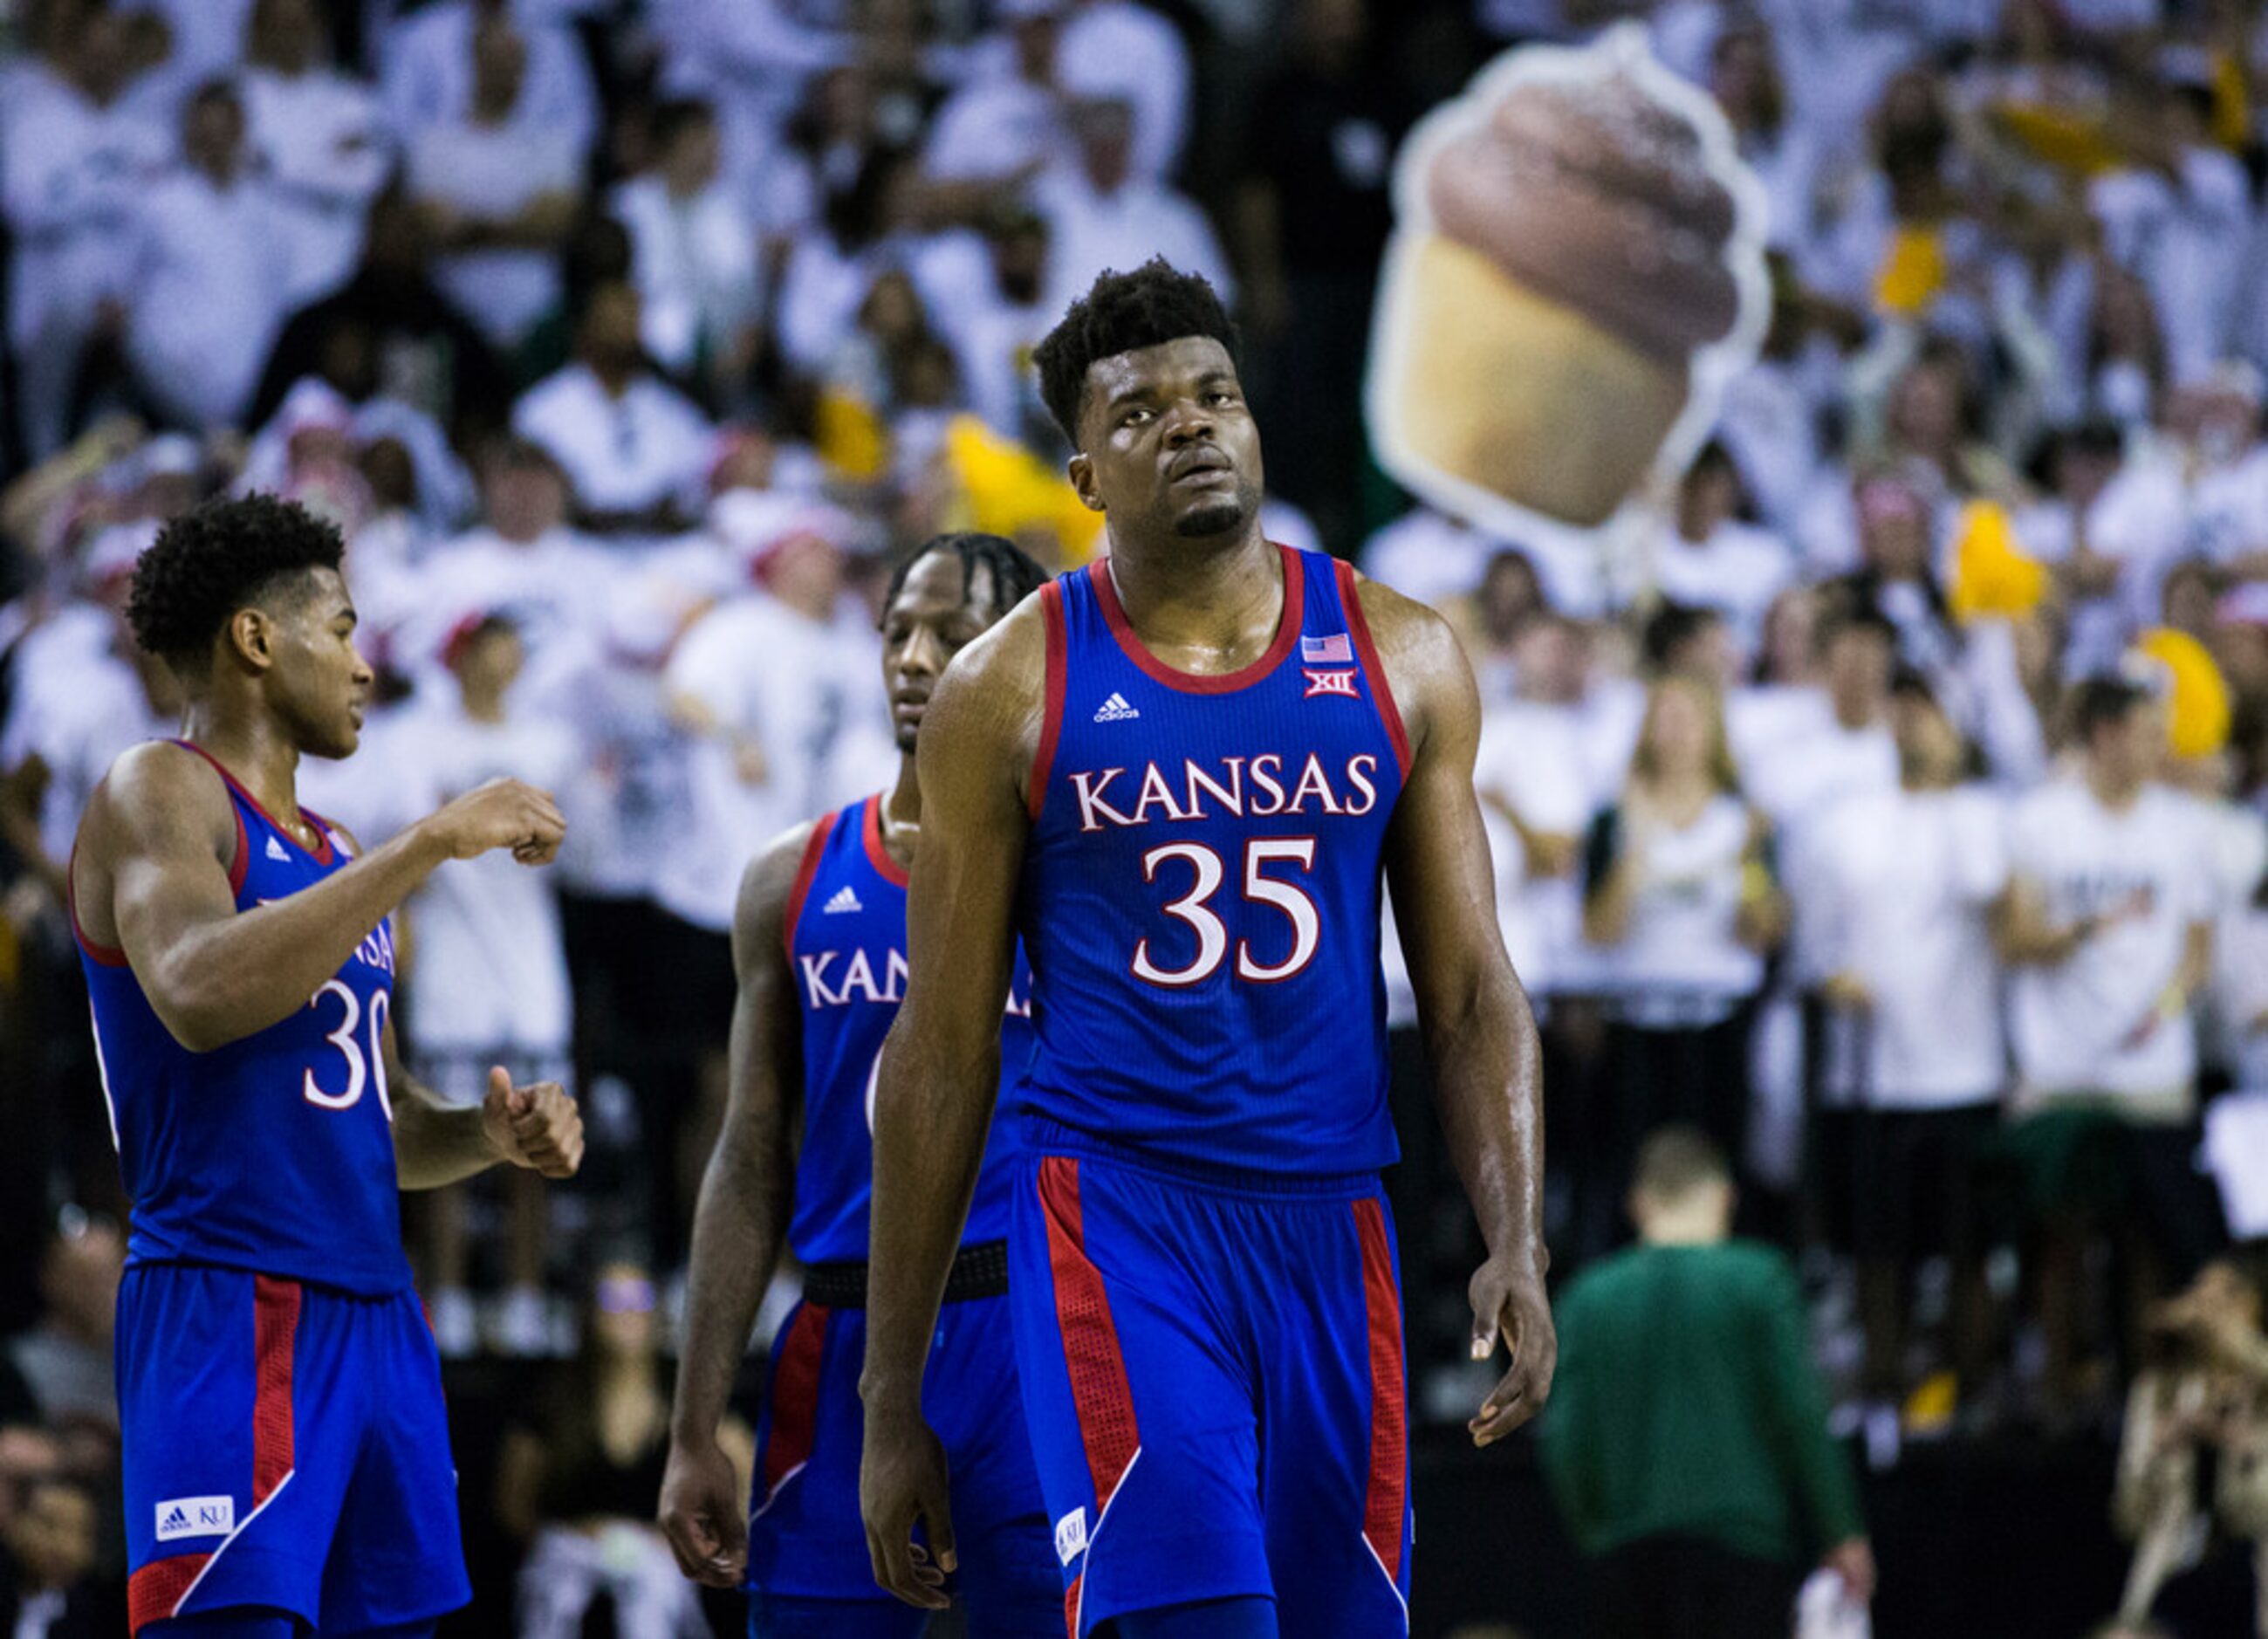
1015, 574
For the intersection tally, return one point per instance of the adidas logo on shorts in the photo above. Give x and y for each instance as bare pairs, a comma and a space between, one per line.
196, 1517
1115, 710
842, 903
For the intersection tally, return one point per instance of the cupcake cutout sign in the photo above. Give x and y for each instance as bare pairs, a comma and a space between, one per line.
1577, 271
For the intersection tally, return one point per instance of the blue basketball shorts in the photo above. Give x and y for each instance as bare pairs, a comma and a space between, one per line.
1213, 1372
806, 1542
286, 1445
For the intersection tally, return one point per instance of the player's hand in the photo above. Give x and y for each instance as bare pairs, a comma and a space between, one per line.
538, 1127
701, 1513
502, 814
1509, 1304
901, 1483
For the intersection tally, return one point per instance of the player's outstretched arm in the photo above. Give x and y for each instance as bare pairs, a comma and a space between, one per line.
1479, 1034
152, 876
738, 1227
940, 1072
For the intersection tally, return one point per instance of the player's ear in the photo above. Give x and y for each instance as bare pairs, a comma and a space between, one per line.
1082, 479
252, 638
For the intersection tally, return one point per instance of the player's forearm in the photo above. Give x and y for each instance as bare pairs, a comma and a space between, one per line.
434, 1145
932, 1110
236, 975
1488, 1086
736, 1230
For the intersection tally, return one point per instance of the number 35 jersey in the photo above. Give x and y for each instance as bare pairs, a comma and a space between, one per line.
1200, 895
274, 1153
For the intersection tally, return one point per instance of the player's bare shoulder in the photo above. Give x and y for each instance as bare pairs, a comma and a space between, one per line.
155, 792
990, 702
1426, 664
767, 884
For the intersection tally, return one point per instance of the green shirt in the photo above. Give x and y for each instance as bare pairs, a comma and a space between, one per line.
1686, 1404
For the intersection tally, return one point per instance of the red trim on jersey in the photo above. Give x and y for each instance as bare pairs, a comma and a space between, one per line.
103, 955
153, 1591
276, 1327
807, 868
1289, 624
878, 853
1381, 691
1043, 761
1098, 1389
323, 855
1386, 1498
1070, 1605
795, 1397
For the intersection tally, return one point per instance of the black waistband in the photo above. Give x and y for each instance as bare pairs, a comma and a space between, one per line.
979, 1270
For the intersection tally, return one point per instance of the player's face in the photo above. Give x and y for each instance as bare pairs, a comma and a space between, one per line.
1167, 445
933, 618
318, 682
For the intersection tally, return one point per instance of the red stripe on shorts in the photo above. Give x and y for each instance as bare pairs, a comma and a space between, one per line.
1385, 1502
795, 1397
276, 1325
1098, 1389
153, 1591
1070, 1607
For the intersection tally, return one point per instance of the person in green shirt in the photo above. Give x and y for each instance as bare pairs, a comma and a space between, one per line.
1686, 1443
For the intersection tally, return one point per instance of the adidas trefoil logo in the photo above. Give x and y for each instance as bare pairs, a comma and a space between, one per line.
842, 903
275, 851
1115, 710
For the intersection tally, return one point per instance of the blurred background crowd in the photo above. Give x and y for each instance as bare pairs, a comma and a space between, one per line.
1885, 796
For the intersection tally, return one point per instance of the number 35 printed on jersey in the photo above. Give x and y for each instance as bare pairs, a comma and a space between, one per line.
1195, 909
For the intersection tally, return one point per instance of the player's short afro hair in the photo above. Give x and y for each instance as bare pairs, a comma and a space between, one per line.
215, 559
1016, 575
1155, 304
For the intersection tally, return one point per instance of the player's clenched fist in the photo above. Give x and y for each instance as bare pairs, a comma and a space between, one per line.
502, 814
538, 1127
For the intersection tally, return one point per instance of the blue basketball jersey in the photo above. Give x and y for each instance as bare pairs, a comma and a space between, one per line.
846, 946
1200, 894
275, 1153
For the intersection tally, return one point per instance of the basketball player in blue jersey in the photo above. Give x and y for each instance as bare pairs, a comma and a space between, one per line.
287, 1465
1179, 775
820, 945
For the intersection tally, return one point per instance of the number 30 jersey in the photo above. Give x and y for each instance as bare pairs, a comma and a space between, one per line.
1200, 895
275, 1153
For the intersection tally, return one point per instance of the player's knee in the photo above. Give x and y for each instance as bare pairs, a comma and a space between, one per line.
1249, 1618
242, 1622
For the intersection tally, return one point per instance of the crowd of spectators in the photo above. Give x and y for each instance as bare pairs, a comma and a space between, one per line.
1884, 794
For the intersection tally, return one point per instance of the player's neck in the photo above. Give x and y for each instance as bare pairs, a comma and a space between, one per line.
1194, 596
255, 751
901, 814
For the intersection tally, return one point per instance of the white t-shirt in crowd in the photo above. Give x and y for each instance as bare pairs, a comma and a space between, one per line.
1090, 233
695, 261
488, 969
71, 176
211, 294
427, 76
993, 128
1532, 757
554, 590
620, 455
1680, 962
1738, 571
493, 172
78, 706
2089, 1024
1907, 879
324, 143
1122, 49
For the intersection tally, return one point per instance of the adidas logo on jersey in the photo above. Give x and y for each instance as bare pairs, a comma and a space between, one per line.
842, 903
196, 1517
1115, 710
275, 851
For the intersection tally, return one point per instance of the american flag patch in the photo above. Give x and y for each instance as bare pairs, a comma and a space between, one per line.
1323, 651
